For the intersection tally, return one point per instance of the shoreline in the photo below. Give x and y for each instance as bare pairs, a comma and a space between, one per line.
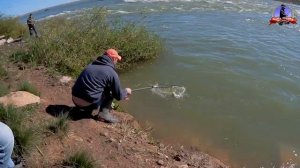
125, 144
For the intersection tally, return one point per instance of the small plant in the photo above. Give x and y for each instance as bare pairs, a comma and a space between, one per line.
80, 160
15, 119
22, 56
3, 89
60, 125
116, 106
26, 86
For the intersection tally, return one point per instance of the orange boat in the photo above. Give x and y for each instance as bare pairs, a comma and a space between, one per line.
287, 20
283, 15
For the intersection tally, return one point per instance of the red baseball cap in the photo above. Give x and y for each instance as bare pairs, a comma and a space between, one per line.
113, 54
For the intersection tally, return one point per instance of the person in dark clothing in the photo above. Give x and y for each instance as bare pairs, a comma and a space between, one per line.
282, 15
282, 11
30, 24
97, 86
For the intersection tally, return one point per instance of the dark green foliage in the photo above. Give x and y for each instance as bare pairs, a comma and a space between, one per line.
22, 56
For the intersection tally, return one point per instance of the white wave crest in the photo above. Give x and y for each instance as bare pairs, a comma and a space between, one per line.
59, 14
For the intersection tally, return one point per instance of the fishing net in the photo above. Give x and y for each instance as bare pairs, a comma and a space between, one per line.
165, 91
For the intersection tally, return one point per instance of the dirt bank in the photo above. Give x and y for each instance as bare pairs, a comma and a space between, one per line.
125, 144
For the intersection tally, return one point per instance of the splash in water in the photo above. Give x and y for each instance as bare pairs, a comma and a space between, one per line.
166, 91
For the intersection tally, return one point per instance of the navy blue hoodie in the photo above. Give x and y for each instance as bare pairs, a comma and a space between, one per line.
99, 77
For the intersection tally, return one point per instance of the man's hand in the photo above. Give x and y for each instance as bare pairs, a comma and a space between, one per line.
128, 90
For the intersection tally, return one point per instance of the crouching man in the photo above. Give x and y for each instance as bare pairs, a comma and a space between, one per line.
97, 86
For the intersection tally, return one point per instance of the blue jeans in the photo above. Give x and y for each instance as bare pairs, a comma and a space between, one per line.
6, 146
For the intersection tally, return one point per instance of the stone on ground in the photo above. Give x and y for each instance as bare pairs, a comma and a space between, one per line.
19, 99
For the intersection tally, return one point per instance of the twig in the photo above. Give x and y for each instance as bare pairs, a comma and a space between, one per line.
39, 150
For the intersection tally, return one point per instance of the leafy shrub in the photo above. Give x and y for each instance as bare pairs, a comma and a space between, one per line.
11, 27
68, 44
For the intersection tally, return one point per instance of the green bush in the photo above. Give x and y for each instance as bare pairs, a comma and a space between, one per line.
11, 27
21, 56
80, 160
68, 44
15, 118
26, 86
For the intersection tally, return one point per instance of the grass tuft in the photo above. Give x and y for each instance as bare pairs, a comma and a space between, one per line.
22, 56
26, 86
60, 125
15, 118
80, 160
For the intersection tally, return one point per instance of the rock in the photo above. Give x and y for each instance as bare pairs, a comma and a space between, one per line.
19, 99
10, 40
39, 67
105, 134
160, 162
183, 166
17, 40
161, 155
2, 42
65, 79
2, 37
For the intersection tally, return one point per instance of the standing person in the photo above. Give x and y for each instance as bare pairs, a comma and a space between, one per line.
283, 15
282, 11
97, 86
30, 24
6, 146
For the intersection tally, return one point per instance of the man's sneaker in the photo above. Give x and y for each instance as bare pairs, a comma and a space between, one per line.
106, 116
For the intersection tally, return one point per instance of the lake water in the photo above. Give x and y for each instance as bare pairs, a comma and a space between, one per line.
242, 103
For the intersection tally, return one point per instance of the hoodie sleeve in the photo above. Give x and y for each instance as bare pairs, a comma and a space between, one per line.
117, 92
